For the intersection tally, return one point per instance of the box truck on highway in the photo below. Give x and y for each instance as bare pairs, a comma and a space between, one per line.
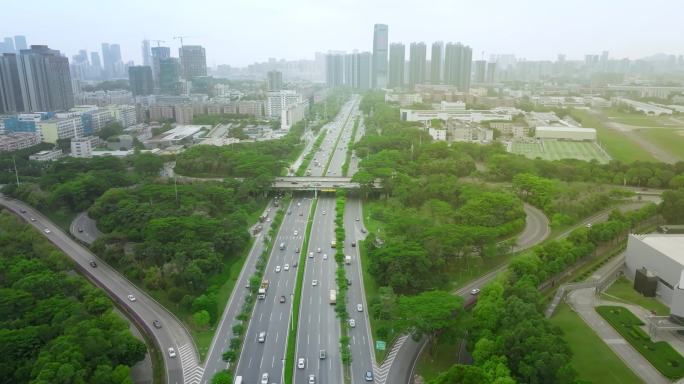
347, 259
333, 296
262, 290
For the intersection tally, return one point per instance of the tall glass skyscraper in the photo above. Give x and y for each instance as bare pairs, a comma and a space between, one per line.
380, 42
396, 65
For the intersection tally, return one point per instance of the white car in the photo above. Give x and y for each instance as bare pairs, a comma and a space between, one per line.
131, 298
352, 323
318, 250
359, 307
324, 212
299, 204
172, 352
277, 269
312, 379
325, 256
475, 291
296, 232
286, 267
264, 378
310, 254
300, 363
314, 282
47, 231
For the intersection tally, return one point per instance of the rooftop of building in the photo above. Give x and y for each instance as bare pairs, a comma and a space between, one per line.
566, 129
671, 246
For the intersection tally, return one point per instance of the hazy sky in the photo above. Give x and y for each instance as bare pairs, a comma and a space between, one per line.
240, 32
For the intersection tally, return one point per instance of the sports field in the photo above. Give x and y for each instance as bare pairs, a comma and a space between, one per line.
556, 150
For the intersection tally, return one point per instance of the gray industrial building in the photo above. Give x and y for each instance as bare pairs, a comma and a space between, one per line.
656, 263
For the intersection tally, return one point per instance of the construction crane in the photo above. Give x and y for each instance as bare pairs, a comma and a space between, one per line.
181, 39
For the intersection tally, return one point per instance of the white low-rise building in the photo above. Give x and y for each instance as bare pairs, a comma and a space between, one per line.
403, 99
50, 155
566, 133
82, 147
647, 108
656, 264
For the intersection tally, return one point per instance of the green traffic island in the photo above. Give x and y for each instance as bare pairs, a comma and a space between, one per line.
660, 354
342, 286
309, 156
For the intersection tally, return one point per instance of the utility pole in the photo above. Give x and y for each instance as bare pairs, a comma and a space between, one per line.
16, 173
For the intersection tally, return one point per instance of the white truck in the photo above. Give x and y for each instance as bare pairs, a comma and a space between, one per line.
347, 259
262, 290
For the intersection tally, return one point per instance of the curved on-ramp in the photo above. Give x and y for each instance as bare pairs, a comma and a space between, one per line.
181, 369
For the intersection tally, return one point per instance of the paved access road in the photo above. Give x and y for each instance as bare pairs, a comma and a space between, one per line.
400, 367
224, 332
270, 315
180, 369
84, 228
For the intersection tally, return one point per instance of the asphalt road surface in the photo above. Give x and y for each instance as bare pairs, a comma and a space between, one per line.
84, 228
270, 315
179, 369
403, 363
224, 332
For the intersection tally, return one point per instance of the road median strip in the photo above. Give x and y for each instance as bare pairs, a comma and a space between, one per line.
296, 300
232, 354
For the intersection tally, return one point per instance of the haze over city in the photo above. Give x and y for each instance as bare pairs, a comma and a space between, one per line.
241, 32
341, 192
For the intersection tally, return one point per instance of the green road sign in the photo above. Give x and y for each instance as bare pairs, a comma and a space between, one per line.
380, 345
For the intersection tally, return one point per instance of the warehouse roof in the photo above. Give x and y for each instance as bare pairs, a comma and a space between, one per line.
566, 129
671, 246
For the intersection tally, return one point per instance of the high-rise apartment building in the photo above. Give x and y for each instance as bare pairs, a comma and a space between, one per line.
20, 43
275, 80
380, 43
193, 61
44, 79
436, 62
11, 100
8, 45
363, 65
350, 70
457, 65
334, 69
111, 60
417, 57
169, 76
397, 58
146, 53
480, 71
158, 53
140, 80
95, 65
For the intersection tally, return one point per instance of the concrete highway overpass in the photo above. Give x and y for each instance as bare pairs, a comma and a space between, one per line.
316, 183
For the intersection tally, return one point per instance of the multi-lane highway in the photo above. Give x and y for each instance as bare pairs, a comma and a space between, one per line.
266, 338
271, 315
214, 359
181, 368
319, 327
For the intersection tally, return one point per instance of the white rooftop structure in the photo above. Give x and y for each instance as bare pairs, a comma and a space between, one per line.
671, 246
566, 133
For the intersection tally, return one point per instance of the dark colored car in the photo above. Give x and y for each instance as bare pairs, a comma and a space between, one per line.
93, 263
157, 324
80, 229
282, 299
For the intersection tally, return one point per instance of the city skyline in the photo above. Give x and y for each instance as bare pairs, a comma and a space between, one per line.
537, 31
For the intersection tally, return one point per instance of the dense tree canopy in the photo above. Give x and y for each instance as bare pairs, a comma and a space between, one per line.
55, 327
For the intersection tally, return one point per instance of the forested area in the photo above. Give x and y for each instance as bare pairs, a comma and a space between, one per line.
55, 327
179, 243
263, 159
73, 184
509, 336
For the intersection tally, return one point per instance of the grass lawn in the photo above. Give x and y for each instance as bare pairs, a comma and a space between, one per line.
660, 354
639, 119
592, 358
622, 289
670, 140
619, 146
437, 359
556, 150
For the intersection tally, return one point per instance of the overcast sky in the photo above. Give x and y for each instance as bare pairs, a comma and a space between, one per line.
240, 32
